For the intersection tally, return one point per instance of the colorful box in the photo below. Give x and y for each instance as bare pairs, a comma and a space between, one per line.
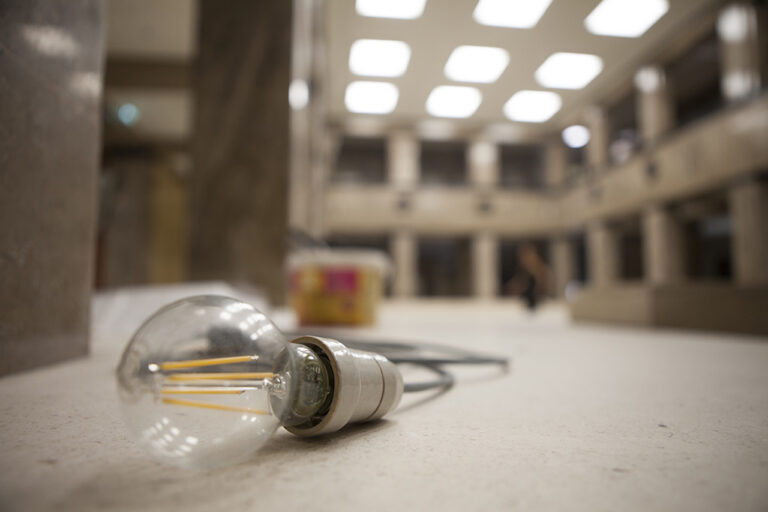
337, 286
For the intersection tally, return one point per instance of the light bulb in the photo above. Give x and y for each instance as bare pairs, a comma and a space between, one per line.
205, 381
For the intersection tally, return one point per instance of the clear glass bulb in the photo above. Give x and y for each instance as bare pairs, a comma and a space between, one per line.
206, 380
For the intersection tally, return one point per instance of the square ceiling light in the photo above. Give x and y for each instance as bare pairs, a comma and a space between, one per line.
379, 57
371, 97
532, 106
482, 64
625, 18
453, 101
564, 70
401, 9
510, 13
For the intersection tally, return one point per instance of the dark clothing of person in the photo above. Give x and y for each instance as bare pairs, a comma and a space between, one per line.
529, 292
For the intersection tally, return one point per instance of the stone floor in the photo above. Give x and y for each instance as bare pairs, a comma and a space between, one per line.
589, 418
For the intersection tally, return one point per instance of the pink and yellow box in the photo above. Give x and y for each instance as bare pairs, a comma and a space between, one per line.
337, 286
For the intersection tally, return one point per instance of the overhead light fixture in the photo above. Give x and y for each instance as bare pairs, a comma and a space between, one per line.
400, 9
564, 70
128, 114
649, 79
735, 23
510, 13
576, 136
532, 106
625, 18
481, 64
371, 97
298, 94
379, 57
453, 101
740, 84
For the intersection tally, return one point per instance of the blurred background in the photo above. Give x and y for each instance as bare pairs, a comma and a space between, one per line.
604, 156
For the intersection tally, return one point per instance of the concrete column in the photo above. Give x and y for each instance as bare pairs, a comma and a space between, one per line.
655, 108
749, 217
404, 254
125, 236
483, 159
309, 156
239, 181
663, 246
485, 265
403, 160
51, 57
169, 225
556, 163
599, 141
737, 27
602, 254
563, 265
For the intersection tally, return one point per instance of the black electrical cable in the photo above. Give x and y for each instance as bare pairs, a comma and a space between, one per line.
445, 380
412, 353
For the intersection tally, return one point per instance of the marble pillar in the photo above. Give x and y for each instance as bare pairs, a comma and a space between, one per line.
556, 163
483, 161
740, 50
485, 265
51, 56
597, 149
563, 265
749, 217
664, 250
655, 107
403, 160
602, 254
239, 182
404, 254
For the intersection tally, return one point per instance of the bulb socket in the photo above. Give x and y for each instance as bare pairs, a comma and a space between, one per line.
366, 386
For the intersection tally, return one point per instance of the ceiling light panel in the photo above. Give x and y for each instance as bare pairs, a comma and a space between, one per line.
576, 136
649, 79
510, 13
400, 9
569, 70
378, 57
481, 64
532, 106
625, 18
371, 97
735, 23
453, 101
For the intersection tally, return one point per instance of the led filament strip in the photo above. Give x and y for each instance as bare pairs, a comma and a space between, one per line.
209, 383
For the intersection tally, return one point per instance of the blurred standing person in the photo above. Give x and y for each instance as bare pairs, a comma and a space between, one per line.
531, 281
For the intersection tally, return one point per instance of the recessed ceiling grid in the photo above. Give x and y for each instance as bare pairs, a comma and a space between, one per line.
446, 25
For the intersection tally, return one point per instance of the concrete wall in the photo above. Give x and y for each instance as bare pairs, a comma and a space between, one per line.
715, 307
